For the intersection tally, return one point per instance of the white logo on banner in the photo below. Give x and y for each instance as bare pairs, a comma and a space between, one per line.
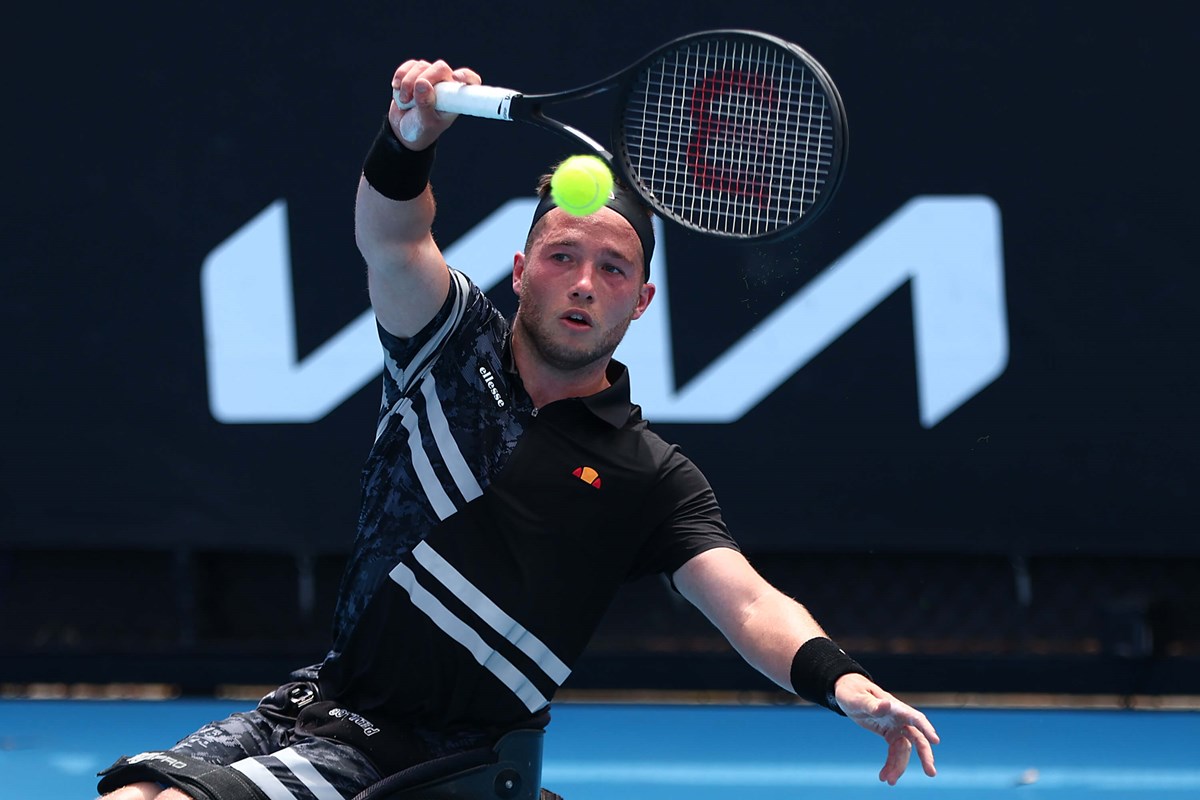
948, 247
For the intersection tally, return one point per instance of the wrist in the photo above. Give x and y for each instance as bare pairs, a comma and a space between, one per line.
816, 668
395, 171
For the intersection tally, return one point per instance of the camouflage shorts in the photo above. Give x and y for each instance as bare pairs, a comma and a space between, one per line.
296, 742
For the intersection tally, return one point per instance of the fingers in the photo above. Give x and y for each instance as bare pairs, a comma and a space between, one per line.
467, 76
413, 113
405, 79
900, 747
882, 712
922, 723
899, 751
904, 727
924, 752
415, 79
909, 716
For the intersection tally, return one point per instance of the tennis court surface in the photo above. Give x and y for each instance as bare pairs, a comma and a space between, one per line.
52, 749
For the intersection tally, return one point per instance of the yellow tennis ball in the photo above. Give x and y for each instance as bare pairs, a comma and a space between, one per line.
581, 185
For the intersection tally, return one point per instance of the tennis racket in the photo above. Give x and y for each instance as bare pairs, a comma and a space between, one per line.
732, 133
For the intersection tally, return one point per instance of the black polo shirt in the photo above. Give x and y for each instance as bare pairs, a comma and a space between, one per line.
494, 535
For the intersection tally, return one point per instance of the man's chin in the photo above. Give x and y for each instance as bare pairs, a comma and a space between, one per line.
569, 353
571, 361
568, 358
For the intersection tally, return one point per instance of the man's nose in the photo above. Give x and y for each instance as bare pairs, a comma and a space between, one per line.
583, 283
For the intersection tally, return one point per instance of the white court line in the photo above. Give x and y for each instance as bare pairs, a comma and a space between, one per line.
801, 774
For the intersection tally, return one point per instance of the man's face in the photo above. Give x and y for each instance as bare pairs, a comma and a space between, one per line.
579, 287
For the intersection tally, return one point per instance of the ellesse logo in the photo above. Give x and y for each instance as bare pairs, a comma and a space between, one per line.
588, 476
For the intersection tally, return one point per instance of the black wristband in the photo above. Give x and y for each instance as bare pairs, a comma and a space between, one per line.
393, 170
815, 669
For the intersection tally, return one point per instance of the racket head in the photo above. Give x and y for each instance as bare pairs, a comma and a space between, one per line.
732, 133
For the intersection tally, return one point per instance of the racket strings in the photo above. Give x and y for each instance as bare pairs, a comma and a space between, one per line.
735, 137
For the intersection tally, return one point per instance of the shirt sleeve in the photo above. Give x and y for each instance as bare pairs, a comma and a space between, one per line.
687, 518
407, 360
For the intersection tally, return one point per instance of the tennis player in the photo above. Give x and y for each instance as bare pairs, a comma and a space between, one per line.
511, 489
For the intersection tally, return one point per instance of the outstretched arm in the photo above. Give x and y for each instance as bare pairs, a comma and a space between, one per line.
768, 629
394, 210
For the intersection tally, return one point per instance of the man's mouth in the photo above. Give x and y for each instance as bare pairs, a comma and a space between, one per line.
577, 319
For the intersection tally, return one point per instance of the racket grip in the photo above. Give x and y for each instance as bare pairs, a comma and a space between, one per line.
489, 102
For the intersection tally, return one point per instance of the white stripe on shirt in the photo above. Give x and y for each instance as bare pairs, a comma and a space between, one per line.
443, 506
491, 613
419, 365
464, 479
462, 633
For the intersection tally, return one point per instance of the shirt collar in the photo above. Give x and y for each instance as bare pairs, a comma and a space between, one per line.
611, 404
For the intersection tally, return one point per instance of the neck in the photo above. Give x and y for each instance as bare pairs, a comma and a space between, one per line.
546, 383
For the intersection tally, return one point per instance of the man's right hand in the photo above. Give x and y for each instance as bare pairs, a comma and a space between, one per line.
420, 126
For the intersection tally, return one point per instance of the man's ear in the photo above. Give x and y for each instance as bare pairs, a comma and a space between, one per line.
518, 271
644, 298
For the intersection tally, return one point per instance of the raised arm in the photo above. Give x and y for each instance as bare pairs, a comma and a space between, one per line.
394, 210
777, 636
